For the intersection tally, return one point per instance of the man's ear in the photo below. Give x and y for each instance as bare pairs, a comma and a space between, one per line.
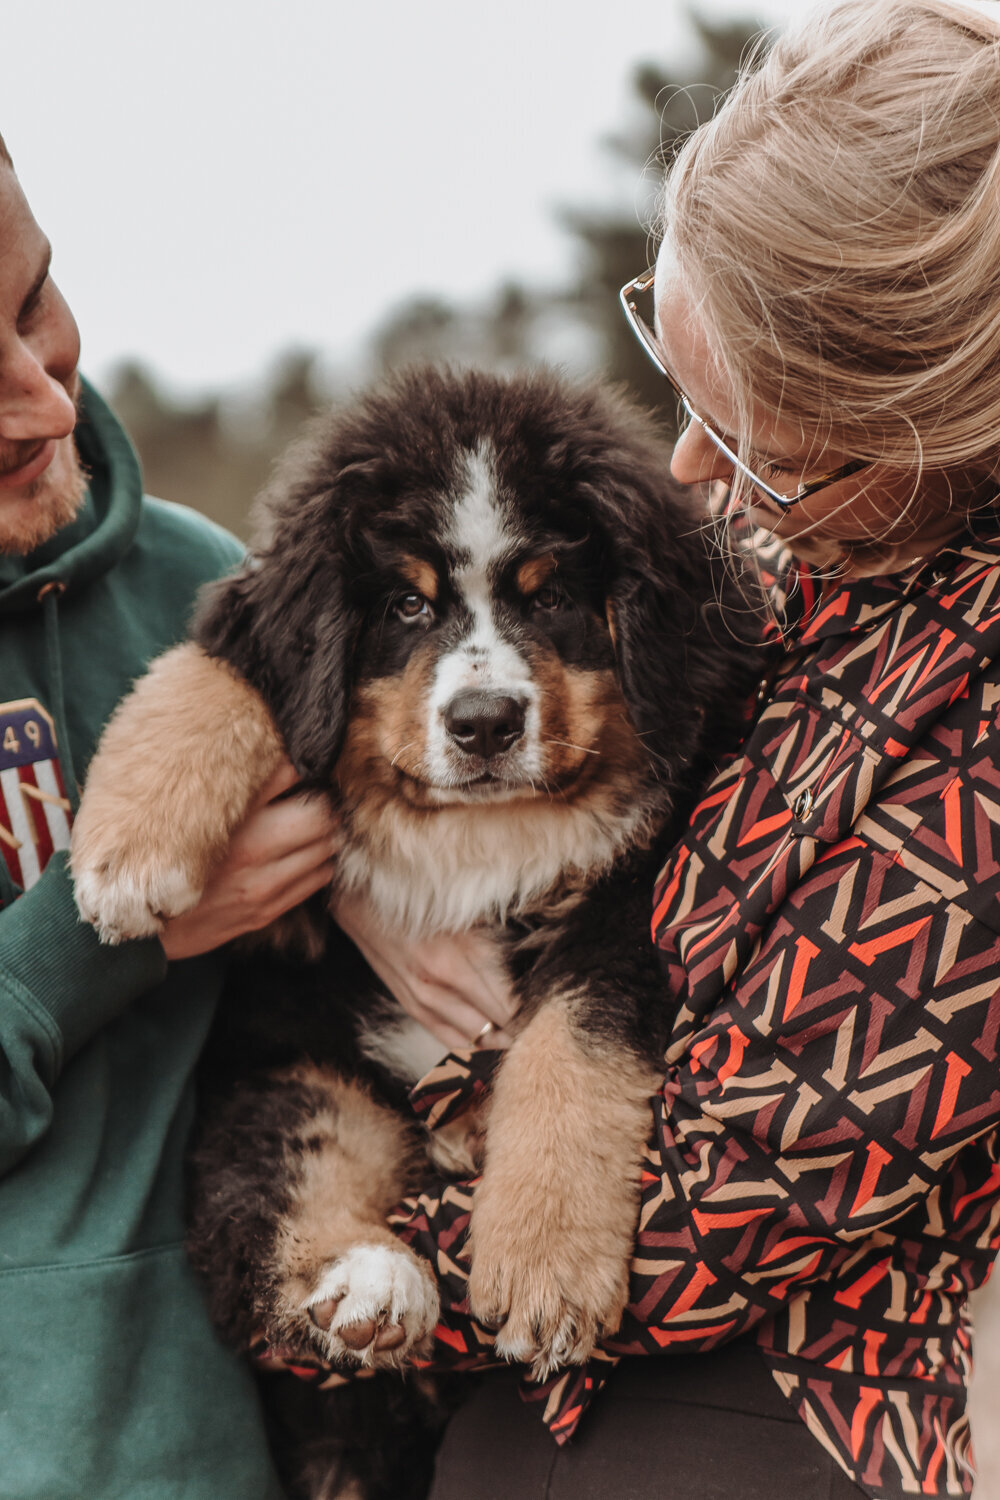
285, 626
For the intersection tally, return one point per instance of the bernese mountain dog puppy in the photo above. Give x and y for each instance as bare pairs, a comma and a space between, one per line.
480, 618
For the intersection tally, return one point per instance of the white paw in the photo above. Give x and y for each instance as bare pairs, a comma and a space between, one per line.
121, 906
374, 1306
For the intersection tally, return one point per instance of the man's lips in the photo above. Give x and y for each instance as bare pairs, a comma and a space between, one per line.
29, 468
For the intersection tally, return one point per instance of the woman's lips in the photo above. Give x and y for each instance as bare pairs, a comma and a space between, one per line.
31, 468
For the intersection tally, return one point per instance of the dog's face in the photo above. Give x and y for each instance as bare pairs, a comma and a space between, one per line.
482, 613
484, 670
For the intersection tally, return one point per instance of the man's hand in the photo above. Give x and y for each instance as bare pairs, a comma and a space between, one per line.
453, 984
283, 852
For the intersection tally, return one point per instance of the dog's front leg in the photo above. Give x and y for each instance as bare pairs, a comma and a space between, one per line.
175, 773
554, 1220
291, 1184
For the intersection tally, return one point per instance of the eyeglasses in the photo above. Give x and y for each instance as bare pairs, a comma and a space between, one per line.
647, 338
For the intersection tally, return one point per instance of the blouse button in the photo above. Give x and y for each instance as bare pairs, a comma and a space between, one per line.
803, 806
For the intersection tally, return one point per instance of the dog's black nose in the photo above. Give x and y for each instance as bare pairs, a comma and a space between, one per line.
484, 723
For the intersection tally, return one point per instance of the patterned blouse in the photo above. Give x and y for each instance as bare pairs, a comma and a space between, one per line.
823, 1173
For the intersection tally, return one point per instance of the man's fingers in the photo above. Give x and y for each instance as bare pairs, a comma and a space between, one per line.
300, 890
269, 881
282, 780
280, 828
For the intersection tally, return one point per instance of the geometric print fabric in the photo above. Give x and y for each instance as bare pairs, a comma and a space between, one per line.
823, 1170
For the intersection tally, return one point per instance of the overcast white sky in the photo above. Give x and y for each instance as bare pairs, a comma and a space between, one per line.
223, 179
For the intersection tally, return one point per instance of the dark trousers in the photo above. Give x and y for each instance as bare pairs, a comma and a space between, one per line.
696, 1427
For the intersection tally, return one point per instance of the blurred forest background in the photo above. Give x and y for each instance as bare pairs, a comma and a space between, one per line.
215, 453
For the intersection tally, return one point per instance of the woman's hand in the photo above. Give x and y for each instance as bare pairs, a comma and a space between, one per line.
283, 852
454, 984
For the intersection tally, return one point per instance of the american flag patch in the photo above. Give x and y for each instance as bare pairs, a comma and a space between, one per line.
34, 808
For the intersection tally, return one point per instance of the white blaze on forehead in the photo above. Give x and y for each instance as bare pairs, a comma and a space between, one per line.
482, 537
478, 527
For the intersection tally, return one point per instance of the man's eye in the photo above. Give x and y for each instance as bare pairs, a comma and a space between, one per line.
548, 598
32, 305
412, 607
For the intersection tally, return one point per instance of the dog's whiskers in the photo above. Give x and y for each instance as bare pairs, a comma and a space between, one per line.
400, 751
568, 744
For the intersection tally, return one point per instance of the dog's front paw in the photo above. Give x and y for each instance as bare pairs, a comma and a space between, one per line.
176, 771
374, 1306
544, 1285
123, 901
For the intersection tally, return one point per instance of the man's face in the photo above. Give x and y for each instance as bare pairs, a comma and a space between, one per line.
41, 482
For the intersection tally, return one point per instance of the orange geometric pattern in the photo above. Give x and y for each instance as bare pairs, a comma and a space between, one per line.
824, 1165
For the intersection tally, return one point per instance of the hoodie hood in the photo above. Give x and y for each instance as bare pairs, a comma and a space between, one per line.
105, 527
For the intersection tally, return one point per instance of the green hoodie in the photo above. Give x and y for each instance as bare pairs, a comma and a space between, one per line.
111, 1381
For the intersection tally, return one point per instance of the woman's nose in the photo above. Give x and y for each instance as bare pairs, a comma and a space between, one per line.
696, 459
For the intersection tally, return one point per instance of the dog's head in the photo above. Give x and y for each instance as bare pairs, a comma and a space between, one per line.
476, 590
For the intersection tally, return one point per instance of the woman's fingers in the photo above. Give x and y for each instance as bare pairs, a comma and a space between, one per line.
454, 984
472, 966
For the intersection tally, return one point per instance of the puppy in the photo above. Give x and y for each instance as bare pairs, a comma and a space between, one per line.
479, 618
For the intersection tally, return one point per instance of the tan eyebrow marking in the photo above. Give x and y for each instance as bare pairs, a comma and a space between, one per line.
533, 573
420, 573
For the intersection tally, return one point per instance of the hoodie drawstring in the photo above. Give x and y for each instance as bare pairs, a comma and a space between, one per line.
48, 597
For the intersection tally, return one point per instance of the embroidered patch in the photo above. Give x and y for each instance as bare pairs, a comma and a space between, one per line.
34, 808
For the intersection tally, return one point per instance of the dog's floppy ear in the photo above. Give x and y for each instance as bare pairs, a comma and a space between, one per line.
284, 623
682, 630
653, 623
680, 622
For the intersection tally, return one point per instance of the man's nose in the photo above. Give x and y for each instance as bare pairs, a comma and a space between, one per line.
34, 404
696, 459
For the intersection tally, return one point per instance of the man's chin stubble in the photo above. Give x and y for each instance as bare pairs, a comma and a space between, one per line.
50, 507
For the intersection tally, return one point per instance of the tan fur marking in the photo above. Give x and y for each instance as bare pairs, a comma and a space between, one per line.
554, 1218
175, 773
533, 573
359, 1159
363, 1166
585, 731
386, 731
609, 615
418, 571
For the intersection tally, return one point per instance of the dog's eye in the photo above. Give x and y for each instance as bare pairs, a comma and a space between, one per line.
547, 598
412, 607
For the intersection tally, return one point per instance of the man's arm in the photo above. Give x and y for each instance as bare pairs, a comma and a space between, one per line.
59, 985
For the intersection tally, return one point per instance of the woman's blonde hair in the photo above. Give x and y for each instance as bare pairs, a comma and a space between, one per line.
839, 225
